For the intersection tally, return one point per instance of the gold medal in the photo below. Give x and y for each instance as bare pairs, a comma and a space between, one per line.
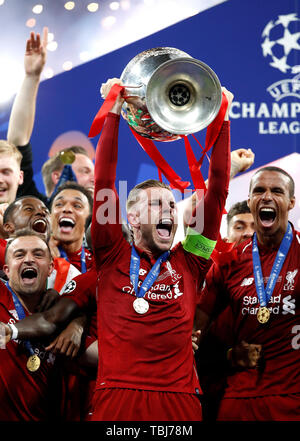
263, 314
33, 363
67, 157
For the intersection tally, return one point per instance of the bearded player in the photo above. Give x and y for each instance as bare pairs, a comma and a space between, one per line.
262, 287
147, 293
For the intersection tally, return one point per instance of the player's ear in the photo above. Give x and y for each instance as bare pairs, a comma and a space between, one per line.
9, 228
51, 267
55, 177
133, 218
6, 270
292, 202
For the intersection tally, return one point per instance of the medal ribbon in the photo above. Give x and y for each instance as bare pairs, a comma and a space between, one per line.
152, 275
263, 294
82, 258
21, 314
66, 175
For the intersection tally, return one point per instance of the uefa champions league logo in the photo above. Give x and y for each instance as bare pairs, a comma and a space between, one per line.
281, 42
281, 46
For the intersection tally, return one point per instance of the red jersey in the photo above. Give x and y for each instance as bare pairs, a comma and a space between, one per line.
234, 284
75, 259
2, 252
81, 385
25, 396
152, 351
82, 290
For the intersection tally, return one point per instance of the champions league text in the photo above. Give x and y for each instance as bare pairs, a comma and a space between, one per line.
273, 118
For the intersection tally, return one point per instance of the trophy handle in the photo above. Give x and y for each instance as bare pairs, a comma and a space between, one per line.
132, 87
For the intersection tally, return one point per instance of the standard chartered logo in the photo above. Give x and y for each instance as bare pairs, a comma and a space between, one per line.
277, 304
288, 305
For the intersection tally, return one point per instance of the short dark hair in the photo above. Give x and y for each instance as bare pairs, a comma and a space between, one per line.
272, 168
132, 197
237, 208
71, 185
24, 232
10, 209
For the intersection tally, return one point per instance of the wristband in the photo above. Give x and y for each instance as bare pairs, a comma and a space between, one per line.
197, 244
14, 331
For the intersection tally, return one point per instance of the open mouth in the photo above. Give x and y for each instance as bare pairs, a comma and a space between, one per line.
267, 216
66, 224
164, 228
29, 275
40, 226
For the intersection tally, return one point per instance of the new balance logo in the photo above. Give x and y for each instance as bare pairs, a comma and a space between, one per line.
247, 281
288, 305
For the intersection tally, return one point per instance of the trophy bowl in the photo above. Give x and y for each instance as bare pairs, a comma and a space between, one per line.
169, 94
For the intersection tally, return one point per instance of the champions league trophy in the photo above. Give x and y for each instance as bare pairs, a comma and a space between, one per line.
168, 94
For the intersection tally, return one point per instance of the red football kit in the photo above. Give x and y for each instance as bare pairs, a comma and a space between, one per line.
24, 395
279, 372
75, 259
82, 289
81, 385
142, 357
2, 251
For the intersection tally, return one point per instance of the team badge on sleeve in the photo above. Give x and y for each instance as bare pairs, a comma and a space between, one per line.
70, 287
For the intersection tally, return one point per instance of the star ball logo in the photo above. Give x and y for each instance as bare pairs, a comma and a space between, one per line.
281, 45
281, 42
281, 48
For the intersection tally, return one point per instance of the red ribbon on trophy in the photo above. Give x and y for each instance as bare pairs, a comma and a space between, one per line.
223, 252
149, 147
109, 101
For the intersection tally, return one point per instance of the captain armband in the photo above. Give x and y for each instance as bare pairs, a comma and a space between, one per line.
197, 244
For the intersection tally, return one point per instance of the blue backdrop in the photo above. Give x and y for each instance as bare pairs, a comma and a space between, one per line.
253, 47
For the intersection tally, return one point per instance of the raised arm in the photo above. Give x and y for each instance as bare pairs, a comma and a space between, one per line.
240, 159
218, 181
23, 110
106, 226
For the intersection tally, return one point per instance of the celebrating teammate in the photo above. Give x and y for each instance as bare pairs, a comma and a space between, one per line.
262, 287
146, 292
